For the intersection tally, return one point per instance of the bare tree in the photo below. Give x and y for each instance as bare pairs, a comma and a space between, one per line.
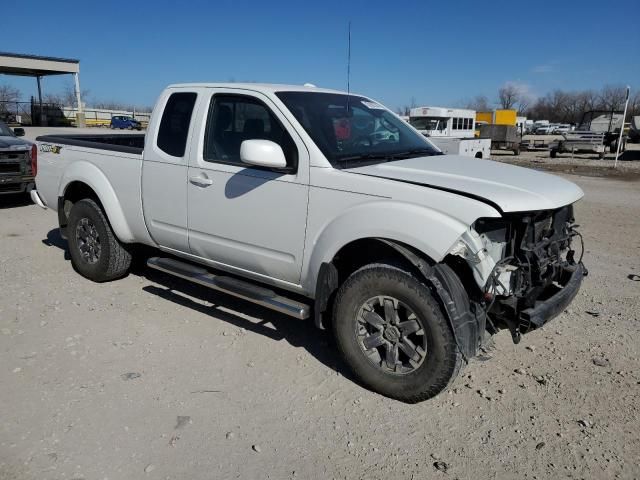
406, 109
9, 93
508, 95
612, 97
66, 98
479, 103
634, 104
523, 103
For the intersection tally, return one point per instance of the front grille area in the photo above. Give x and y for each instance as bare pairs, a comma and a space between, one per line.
13, 155
10, 167
11, 187
539, 246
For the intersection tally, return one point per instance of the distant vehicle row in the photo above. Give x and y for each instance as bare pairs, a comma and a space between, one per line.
550, 129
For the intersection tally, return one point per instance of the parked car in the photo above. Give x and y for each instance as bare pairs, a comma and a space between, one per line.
545, 129
123, 121
289, 197
560, 129
17, 170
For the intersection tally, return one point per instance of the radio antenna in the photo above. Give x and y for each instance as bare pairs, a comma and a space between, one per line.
348, 66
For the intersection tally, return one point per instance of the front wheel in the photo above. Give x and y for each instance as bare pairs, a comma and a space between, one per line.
95, 251
393, 335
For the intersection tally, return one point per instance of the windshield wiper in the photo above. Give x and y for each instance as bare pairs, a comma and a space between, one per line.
390, 156
364, 156
416, 152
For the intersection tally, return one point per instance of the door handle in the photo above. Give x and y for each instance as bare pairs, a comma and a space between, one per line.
201, 181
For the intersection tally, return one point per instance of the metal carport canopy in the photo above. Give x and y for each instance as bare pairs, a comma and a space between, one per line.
36, 66
39, 66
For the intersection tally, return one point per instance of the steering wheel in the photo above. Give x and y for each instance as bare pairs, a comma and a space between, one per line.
362, 140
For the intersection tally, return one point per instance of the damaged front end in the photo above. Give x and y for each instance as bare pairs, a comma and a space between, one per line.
525, 266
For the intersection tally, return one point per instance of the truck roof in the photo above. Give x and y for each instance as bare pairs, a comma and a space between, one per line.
264, 87
441, 112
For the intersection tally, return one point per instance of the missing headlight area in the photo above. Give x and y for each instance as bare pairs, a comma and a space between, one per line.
523, 263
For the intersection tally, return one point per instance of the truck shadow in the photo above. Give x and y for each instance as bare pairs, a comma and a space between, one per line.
54, 239
630, 155
234, 311
243, 314
14, 200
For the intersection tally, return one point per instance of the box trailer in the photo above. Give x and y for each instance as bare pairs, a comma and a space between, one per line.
503, 137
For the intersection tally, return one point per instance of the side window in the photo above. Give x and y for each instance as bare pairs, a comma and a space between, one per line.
233, 119
174, 126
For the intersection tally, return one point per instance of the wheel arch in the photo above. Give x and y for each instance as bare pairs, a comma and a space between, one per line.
84, 180
427, 231
351, 257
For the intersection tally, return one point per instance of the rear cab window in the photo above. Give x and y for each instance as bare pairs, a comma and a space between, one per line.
174, 125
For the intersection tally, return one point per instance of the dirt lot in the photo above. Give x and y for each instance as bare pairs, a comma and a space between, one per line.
148, 377
583, 163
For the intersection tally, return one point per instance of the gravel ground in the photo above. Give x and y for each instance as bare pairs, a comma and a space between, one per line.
150, 377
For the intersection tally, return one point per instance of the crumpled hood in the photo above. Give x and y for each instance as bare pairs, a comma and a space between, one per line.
511, 188
13, 143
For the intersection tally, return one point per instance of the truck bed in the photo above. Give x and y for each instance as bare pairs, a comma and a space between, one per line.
111, 164
128, 143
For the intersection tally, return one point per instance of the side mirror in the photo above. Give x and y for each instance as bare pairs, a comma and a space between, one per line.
262, 153
19, 131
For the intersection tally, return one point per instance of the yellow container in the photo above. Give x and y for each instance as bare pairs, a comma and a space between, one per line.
486, 117
505, 117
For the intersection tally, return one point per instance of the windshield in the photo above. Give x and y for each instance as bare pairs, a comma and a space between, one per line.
5, 131
429, 123
353, 129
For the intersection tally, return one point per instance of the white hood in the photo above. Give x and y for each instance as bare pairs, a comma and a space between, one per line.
513, 189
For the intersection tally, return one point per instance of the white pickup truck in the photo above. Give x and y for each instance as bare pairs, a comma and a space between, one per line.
323, 205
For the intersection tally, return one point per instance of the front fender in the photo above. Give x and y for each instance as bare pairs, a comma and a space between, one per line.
89, 174
429, 231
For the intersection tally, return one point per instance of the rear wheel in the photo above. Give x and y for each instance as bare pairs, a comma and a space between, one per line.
95, 251
391, 332
553, 153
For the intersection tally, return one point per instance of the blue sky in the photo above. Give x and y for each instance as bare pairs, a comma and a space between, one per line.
436, 52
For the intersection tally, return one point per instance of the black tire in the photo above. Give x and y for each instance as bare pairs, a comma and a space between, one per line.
108, 259
516, 151
553, 153
441, 361
613, 146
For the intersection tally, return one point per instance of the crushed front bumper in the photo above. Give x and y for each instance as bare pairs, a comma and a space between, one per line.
545, 310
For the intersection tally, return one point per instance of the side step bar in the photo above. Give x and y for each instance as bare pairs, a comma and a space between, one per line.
238, 288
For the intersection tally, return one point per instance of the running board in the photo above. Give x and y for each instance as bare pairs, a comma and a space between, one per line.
233, 286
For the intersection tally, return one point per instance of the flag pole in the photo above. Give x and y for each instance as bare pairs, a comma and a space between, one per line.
624, 115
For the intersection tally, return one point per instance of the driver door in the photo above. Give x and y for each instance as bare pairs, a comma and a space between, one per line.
241, 217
